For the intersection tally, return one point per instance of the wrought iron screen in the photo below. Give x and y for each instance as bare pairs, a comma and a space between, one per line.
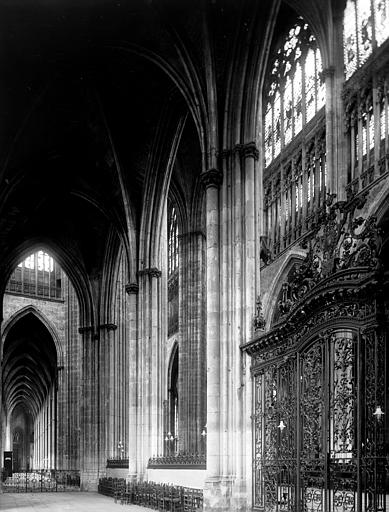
318, 431
43, 480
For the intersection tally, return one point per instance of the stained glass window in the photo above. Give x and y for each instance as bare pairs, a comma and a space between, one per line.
37, 275
366, 25
294, 91
172, 241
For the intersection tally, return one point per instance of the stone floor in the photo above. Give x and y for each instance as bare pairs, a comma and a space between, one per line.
62, 501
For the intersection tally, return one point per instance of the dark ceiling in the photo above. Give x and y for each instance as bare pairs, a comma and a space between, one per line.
80, 107
91, 95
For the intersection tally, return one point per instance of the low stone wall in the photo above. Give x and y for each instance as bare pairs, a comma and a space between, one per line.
184, 477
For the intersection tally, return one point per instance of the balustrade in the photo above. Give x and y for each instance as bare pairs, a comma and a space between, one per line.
295, 189
43, 480
366, 100
181, 460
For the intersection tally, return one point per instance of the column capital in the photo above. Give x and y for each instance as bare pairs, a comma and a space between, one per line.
85, 328
108, 326
152, 272
247, 150
328, 72
132, 288
211, 178
187, 234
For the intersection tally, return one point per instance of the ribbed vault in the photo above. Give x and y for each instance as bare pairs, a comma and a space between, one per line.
29, 365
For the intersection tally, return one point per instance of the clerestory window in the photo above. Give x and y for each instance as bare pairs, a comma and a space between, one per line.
365, 27
172, 241
295, 89
37, 275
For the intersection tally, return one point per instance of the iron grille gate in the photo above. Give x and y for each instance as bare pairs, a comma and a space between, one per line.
318, 440
44, 480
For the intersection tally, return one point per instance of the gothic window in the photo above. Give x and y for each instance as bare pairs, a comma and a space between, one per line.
173, 241
365, 27
294, 91
173, 295
171, 437
37, 275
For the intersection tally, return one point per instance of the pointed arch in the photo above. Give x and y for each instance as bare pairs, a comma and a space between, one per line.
67, 257
31, 309
269, 299
157, 187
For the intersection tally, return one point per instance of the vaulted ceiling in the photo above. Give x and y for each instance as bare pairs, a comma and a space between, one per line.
29, 365
92, 93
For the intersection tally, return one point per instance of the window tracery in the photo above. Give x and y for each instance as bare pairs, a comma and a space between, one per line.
37, 275
295, 89
173, 295
365, 27
172, 241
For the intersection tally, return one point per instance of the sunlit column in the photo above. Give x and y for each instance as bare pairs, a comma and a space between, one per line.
212, 180
132, 290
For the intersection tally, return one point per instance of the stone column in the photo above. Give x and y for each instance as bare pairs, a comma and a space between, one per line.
150, 367
157, 367
90, 440
132, 290
249, 280
108, 368
192, 364
212, 180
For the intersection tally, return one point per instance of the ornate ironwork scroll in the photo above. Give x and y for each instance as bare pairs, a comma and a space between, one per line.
318, 426
43, 480
343, 422
275, 438
373, 450
312, 414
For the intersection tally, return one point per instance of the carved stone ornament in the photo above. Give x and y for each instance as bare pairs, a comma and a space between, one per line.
247, 150
340, 241
108, 327
259, 320
132, 288
152, 272
85, 329
211, 178
265, 253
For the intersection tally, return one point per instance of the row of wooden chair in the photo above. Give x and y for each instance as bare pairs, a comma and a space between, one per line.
156, 496
107, 486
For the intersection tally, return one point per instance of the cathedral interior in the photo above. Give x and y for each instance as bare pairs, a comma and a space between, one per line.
194, 256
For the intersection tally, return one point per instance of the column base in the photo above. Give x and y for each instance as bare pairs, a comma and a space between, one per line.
89, 480
132, 478
241, 496
226, 493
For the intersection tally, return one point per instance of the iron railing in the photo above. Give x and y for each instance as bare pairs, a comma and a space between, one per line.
43, 480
